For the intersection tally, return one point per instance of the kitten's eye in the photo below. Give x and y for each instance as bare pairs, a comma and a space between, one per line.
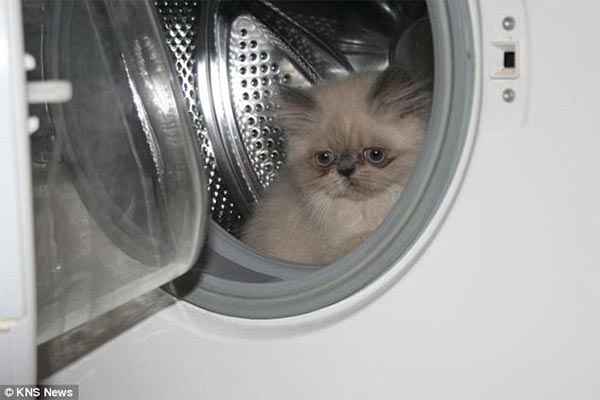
324, 158
374, 155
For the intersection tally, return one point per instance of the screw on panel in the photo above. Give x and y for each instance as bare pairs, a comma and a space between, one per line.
508, 95
508, 23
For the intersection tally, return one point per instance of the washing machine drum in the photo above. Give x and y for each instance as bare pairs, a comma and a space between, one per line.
231, 58
171, 120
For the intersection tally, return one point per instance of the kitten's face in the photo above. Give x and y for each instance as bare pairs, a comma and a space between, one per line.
344, 146
355, 155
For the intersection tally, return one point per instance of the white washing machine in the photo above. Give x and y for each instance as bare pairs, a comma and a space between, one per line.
148, 139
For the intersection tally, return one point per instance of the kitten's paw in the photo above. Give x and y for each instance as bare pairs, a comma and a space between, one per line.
356, 241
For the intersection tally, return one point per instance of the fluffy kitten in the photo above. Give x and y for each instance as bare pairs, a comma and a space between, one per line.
352, 145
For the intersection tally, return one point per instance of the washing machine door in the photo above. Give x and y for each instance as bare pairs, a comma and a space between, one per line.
120, 202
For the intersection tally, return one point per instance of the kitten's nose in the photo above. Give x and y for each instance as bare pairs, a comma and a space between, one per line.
346, 166
346, 171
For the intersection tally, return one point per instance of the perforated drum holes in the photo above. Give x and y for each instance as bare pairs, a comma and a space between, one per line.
181, 27
255, 71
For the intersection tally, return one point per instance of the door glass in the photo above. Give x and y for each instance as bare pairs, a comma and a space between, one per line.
120, 202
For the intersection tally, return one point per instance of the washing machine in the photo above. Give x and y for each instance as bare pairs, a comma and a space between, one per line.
138, 136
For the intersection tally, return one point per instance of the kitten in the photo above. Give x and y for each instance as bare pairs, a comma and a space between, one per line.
351, 148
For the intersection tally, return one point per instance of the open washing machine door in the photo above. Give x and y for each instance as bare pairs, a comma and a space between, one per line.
120, 205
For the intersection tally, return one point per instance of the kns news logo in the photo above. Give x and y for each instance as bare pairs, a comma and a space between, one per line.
45, 391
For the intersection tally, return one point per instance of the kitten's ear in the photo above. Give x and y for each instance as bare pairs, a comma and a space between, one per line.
297, 105
395, 91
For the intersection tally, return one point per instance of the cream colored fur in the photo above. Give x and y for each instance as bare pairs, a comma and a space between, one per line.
314, 216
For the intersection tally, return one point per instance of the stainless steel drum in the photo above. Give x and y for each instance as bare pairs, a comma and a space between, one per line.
231, 56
